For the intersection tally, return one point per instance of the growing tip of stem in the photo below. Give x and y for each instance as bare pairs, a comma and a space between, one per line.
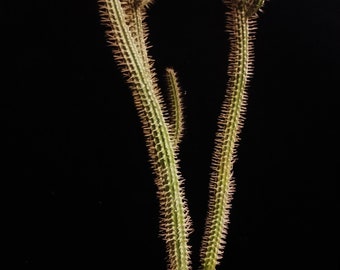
251, 7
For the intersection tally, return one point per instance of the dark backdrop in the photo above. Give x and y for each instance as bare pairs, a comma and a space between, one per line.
77, 188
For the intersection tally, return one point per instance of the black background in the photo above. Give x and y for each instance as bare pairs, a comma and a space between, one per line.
77, 188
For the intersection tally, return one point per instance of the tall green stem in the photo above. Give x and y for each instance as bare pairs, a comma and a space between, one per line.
128, 53
240, 23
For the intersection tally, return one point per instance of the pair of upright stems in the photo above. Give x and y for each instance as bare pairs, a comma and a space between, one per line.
162, 126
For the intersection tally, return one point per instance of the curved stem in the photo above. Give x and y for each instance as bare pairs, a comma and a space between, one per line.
127, 51
239, 26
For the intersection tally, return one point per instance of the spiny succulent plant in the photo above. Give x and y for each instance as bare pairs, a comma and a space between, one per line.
127, 34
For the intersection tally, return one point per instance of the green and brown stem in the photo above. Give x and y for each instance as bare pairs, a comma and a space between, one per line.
129, 52
240, 26
175, 106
